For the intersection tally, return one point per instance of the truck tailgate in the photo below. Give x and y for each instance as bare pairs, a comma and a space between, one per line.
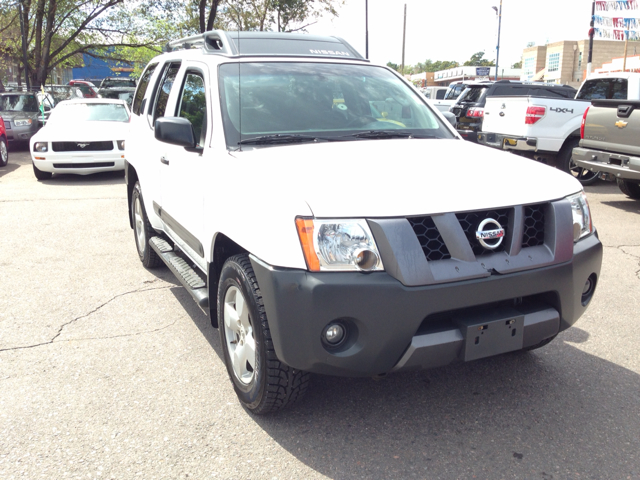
613, 125
505, 115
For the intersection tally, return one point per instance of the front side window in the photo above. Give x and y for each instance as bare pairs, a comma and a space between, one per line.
142, 88
165, 90
472, 94
331, 101
193, 105
454, 92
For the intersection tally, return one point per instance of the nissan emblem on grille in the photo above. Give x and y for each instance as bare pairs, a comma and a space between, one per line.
490, 239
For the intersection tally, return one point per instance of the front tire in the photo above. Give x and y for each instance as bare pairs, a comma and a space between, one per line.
566, 164
262, 383
629, 188
143, 230
4, 153
40, 175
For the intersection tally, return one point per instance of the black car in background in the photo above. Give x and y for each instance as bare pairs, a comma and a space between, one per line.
469, 109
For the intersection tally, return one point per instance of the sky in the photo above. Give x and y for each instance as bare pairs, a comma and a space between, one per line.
456, 29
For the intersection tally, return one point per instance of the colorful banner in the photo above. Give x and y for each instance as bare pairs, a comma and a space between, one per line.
616, 5
615, 34
615, 22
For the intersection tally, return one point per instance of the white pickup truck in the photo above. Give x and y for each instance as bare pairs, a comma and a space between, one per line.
547, 128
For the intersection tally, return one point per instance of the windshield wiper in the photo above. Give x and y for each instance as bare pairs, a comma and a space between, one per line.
389, 134
280, 138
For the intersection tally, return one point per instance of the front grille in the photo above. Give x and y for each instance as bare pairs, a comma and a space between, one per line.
533, 234
82, 146
470, 221
429, 237
84, 165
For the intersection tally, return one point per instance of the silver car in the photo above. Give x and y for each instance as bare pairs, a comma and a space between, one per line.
22, 115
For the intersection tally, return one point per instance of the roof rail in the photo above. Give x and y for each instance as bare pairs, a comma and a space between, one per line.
267, 44
215, 41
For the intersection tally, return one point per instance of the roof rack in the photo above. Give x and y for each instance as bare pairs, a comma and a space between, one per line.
267, 44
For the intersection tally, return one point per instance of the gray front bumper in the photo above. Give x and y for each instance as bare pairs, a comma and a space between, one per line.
619, 165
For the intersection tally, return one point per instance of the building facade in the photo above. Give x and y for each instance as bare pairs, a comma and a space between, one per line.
445, 77
565, 62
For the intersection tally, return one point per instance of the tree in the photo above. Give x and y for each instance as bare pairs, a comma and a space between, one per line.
476, 60
517, 64
426, 66
281, 15
393, 66
58, 32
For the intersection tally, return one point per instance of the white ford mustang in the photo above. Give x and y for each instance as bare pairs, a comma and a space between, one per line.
82, 136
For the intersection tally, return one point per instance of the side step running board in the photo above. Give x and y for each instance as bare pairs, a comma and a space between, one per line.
189, 278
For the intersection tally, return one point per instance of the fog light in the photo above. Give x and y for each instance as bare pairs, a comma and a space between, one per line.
334, 334
588, 289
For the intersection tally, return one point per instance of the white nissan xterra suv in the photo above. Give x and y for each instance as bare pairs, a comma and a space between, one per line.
330, 221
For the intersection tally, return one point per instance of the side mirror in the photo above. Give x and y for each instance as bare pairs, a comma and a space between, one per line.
451, 118
176, 131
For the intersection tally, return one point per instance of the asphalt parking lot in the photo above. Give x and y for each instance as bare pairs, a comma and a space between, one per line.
109, 370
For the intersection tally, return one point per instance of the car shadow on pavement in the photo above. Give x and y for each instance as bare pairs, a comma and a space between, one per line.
554, 413
11, 167
104, 178
627, 205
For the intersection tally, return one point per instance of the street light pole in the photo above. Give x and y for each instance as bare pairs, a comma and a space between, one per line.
591, 33
366, 28
499, 12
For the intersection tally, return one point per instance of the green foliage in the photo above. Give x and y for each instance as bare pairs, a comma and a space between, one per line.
476, 60
393, 66
426, 66
517, 64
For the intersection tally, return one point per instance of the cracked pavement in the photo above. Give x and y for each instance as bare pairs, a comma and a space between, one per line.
109, 370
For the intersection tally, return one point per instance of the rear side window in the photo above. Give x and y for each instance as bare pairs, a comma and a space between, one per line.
604, 88
165, 90
473, 94
440, 94
142, 88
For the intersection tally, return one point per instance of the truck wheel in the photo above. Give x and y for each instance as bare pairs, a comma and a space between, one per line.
262, 383
544, 342
143, 230
40, 175
629, 188
565, 162
4, 153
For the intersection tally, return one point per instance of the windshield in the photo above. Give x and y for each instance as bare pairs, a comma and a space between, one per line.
126, 95
107, 83
454, 91
89, 112
331, 101
19, 103
472, 94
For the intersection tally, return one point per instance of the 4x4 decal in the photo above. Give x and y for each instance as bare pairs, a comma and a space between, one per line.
561, 110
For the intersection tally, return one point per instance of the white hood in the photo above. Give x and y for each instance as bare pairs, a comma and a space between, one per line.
83, 132
391, 178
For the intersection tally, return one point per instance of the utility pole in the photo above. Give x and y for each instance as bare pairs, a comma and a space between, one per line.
591, 33
404, 35
366, 28
24, 46
498, 45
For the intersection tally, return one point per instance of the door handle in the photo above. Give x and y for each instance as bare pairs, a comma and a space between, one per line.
164, 160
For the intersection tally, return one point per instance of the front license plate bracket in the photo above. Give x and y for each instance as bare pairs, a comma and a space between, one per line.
492, 333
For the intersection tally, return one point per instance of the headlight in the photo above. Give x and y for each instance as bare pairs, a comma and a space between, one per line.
582, 225
40, 147
342, 245
120, 144
22, 122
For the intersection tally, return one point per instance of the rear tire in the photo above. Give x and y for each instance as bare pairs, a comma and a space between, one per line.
629, 188
4, 153
40, 175
262, 383
565, 162
142, 230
